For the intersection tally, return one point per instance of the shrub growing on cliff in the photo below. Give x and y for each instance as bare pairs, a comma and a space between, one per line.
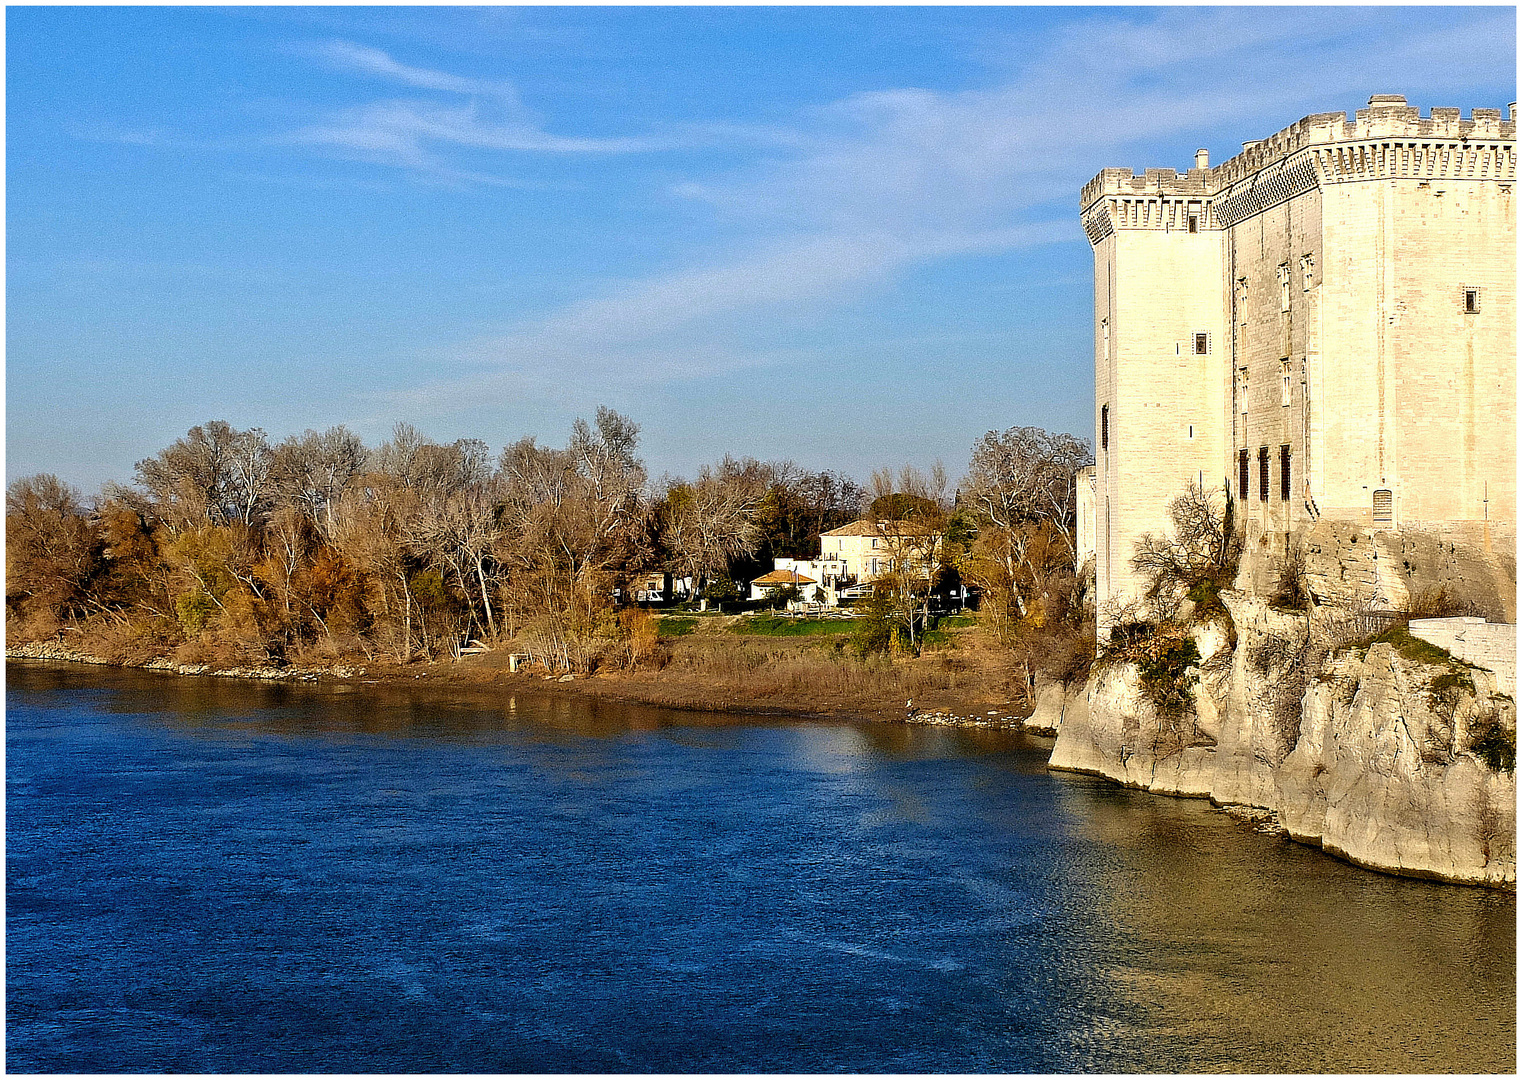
1493, 743
1166, 658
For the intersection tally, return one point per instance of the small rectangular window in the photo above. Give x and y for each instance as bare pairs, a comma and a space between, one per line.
1242, 469
1201, 344
1263, 474
1284, 484
1284, 381
1284, 286
1471, 301
1194, 223
1307, 272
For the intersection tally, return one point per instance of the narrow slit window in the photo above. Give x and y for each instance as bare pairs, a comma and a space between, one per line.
1104, 428
1263, 474
1284, 386
1284, 480
1242, 468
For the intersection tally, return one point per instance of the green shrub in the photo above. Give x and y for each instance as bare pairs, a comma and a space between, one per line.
1493, 743
874, 632
195, 610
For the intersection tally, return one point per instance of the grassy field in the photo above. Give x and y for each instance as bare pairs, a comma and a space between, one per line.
776, 626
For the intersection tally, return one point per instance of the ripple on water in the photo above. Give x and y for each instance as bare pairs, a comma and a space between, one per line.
284, 878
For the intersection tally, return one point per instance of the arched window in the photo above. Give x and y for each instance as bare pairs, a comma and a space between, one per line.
1384, 508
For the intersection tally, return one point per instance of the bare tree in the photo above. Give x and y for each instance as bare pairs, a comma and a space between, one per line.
712, 520
51, 548
909, 514
310, 470
1027, 474
215, 474
1202, 550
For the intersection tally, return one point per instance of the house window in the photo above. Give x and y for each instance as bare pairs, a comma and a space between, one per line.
1201, 344
1284, 286
1284, 473
1284, 381
1384, 508
1242, 469
1104, 428
874, 544
1471, 301
1263, 474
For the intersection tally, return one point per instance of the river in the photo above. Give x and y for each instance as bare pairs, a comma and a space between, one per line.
217, 875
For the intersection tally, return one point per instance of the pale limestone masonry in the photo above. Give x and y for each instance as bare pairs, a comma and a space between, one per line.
1492, 646
1340, 299
1085, 508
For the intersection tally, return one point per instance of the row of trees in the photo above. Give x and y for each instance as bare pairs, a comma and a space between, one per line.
231, 547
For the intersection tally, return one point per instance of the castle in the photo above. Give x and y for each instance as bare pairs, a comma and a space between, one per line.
1324, 326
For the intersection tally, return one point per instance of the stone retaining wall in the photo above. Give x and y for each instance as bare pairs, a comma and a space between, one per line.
1492, 646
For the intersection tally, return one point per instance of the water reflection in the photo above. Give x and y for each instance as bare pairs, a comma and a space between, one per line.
298, 878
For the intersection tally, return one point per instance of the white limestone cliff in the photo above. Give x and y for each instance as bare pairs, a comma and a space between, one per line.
1369, 758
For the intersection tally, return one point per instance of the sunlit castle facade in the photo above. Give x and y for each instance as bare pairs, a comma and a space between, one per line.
1325, 325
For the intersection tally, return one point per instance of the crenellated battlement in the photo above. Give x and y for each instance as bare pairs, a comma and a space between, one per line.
1443, 143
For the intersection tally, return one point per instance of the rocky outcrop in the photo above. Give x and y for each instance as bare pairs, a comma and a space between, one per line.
1057, 705
1368, 753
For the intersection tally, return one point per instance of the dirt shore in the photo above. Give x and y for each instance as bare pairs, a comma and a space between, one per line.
972, 688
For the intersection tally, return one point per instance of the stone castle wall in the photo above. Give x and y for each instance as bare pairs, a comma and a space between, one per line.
1327, 269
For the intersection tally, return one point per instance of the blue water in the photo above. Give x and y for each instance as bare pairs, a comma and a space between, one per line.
213, 875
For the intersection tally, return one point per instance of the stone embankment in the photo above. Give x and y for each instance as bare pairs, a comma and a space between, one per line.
1373, 754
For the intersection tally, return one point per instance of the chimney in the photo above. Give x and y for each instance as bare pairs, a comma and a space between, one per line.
1202, 158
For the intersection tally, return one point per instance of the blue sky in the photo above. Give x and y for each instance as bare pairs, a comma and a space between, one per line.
846, 236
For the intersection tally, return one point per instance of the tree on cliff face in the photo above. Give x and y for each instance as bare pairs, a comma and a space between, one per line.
1199, 558
52, 549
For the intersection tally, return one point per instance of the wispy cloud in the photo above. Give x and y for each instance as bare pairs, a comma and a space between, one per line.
348, 56
418, 134
890, 178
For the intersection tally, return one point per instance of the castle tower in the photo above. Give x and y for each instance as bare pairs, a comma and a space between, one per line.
1324, 324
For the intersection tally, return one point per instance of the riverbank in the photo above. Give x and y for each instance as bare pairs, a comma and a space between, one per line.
712, 665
